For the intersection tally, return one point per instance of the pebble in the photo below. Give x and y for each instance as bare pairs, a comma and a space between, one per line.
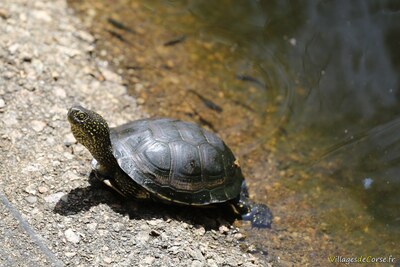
30, 189
59, 92
143, 237
31, 199
54, 198
117, 226
2, 103
223, 229
154, 233
92, 226
69, 139
107, 260
149, 260
71, 236
38, 126
41, 15
42, 189
211, 263
13, 48
69, 254
4, 14
85, 36
197, 263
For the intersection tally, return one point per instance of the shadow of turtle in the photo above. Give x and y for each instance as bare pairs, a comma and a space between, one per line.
83, 198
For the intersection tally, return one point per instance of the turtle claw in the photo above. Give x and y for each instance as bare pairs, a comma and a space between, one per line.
108, 183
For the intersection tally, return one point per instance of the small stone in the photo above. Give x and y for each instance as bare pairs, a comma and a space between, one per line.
140, 101
42, 189
10, 118
223, 229
55, 163
26, 57
71, 236
4, 14
197, 263
54, 198
117, 226
92, 226
143, 237
111, 76
38, 126
85, 36
154, 233
41, 15
59, 92
211, 263
107, 260
55, 75
69, 254
13, 48
196, 254
31, 199
200, 231
2, 103
149, 260
69, 139
30, 189
240, 236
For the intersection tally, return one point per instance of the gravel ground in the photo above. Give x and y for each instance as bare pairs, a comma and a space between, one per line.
50, 214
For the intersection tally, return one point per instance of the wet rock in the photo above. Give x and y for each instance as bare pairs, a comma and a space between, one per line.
71, 236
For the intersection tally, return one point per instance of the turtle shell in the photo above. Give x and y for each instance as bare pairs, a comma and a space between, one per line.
177, 161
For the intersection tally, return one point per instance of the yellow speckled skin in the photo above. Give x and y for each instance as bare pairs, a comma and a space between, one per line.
167, 160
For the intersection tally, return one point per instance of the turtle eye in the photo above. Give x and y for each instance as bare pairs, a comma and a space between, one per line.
81, 116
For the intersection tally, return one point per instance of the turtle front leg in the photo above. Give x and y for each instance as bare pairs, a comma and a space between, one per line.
259, 215
102, 175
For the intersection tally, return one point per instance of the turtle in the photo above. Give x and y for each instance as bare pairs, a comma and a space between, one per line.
167, 160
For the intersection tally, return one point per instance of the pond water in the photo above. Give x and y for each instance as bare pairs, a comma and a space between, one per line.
315, 83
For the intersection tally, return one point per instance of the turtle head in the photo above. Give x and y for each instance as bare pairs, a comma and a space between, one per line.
91, 130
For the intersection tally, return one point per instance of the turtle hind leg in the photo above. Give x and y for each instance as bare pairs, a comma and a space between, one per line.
259, 215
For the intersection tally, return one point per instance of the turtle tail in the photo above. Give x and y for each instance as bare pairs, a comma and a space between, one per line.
259, 215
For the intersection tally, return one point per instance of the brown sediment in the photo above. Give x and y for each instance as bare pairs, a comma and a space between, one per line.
187, 78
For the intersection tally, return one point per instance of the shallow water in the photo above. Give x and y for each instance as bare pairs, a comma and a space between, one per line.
315, 83
331, 68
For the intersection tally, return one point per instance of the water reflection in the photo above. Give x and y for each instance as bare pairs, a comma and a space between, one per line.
332, 67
